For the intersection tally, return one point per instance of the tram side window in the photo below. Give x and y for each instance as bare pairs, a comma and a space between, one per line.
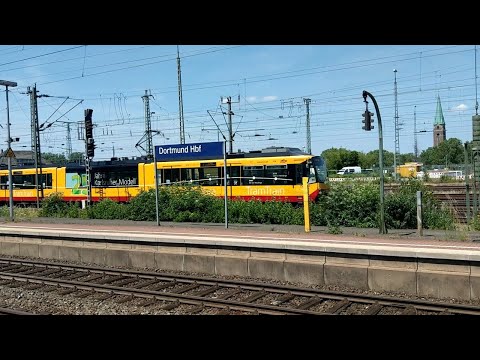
253, 175
278, 172
210, 176
171, 176
25, 182
298, 171
233, 175
189, 174
46, 180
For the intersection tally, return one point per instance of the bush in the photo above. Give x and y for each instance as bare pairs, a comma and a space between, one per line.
20, 212
54, 206
348, 204
108, 209
141, 207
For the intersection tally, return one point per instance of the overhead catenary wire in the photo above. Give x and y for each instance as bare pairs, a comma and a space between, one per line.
269, 112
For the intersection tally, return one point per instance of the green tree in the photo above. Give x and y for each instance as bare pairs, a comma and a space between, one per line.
404, 158
336, 158
370, 159
448, 152
76, 157
55, 159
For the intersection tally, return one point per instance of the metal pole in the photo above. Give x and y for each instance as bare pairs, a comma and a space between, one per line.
397, 141
225, 181
306, 204
230, 126
474, 162
309, 138
10, 181
39, 153
33, 95
419, 214
383, 229
156, 186
467, 185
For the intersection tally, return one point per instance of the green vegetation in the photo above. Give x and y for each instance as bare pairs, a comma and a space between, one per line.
349, 204
450, 151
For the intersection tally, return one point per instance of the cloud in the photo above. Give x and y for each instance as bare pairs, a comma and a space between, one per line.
461, 107
270, 98
253, 99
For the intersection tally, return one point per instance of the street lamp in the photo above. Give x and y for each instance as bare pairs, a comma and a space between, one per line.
9, 150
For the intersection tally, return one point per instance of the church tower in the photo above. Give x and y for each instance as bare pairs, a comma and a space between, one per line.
439, 134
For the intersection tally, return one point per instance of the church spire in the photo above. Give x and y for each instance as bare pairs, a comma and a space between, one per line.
439, 119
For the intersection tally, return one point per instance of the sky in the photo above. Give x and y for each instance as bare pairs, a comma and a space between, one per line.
268, 85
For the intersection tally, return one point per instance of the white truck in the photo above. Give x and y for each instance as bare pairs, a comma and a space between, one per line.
350, 170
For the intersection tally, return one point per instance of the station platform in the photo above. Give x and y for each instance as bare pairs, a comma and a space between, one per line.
440, 264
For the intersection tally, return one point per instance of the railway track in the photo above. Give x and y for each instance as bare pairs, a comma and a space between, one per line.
6, 311
453, 196
202, 295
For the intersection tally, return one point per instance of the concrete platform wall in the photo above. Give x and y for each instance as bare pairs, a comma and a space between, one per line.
423, 277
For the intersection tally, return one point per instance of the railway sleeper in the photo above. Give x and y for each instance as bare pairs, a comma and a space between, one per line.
11, 267
68, 291
148, 302
184, 289
18, 270
125, 299
224, 311
49, 272
94, 277
284, 298
338, 307
33, 271
85, 294
145, 284
163, 286
206, 291
255, 296
111, 280
229, 294
59, 275
52, 288
197, 309
105, 296
34, 286
126, 281
309, 303
75, 276
374, 309
16, 284
171, 306
409, 310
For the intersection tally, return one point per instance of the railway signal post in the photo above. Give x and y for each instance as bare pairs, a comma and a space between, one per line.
368, 127
89, 151
9, 150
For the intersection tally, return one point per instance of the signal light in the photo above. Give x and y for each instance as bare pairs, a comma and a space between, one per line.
367, 121
91, 147
89, 133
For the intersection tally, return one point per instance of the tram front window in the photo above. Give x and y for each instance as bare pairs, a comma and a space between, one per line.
320, 169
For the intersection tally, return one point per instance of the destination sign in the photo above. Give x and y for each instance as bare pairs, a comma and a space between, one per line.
195, 151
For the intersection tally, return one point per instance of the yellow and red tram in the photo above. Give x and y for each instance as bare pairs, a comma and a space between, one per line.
268, 174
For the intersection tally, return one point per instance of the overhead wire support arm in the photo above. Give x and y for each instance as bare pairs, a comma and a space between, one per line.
221, 132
